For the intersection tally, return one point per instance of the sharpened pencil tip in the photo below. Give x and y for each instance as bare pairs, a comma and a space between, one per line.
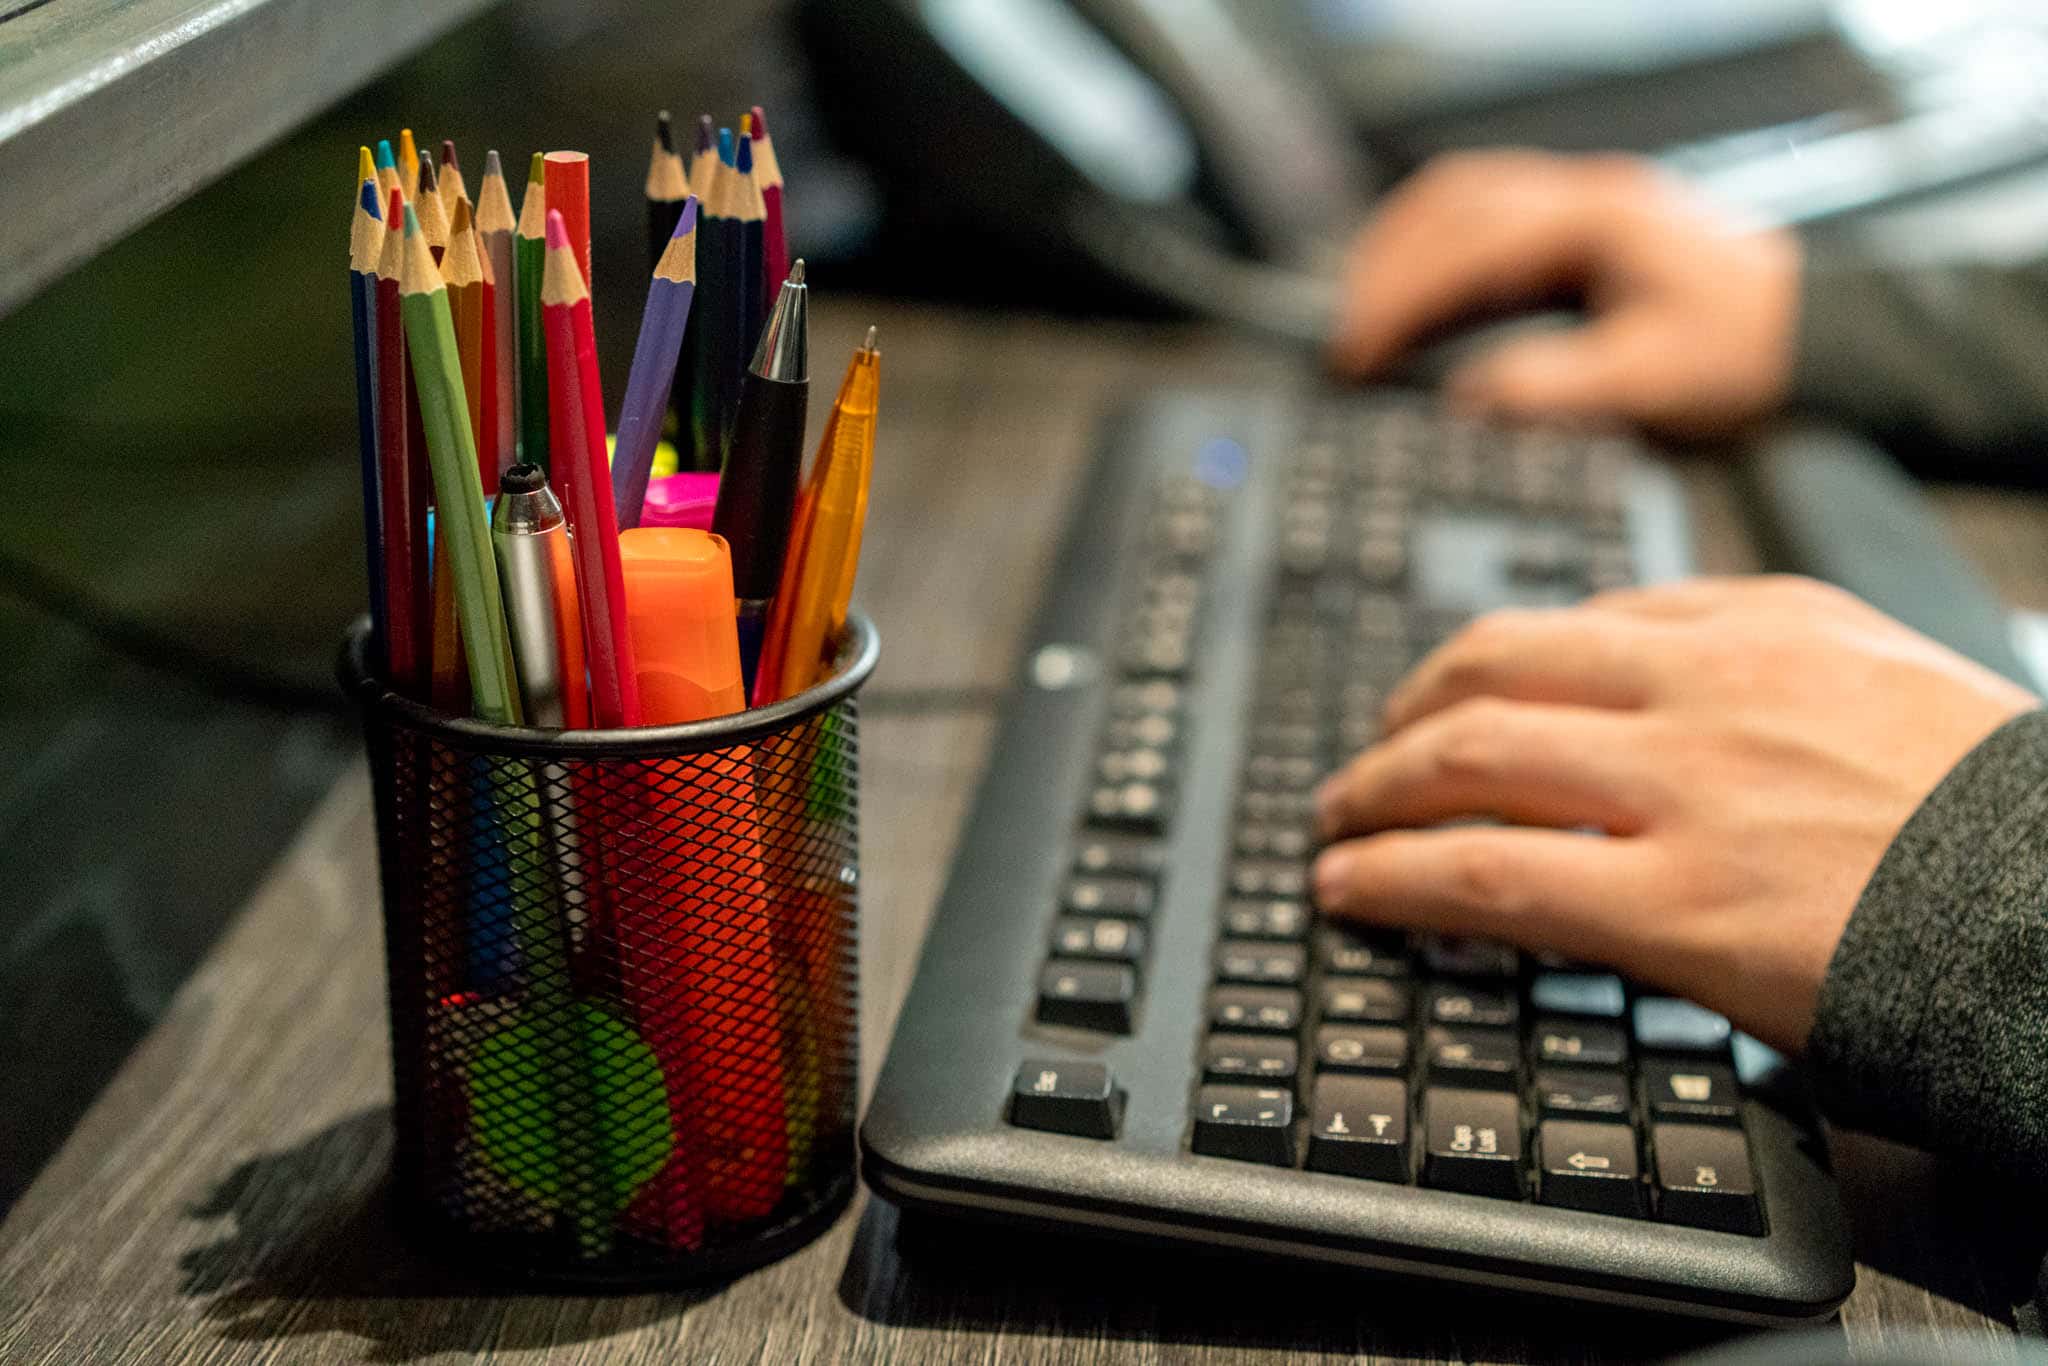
412, 222
427, 175
725, 145
760, 124
868, 344
664, 131
686, 221
558, 231
448, 153
384, 157
368, 199
707, 138
537, 169
493, 166
366, 165
743, 158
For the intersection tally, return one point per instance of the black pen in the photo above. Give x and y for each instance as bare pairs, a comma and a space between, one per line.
757, 492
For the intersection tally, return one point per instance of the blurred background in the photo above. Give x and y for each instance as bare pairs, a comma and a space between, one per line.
179, 532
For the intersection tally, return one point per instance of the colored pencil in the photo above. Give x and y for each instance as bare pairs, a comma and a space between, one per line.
408, 165
365, 243
529, 266
387, 172
449, 689
751, 215
654, 366
725, 152
450, 180
462, 269
576, 413
703, 155
568, 185
427, 205
402, 488
496, 228
490, 455
459, 497
825, 535
775, 230
714, 340
668, 185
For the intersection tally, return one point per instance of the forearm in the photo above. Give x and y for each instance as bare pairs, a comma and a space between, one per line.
1951, 360
1933, 1020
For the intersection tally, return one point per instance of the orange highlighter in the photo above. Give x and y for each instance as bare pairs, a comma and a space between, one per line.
698, 950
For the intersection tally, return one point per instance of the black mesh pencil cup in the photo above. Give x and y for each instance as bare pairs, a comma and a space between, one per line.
621, 969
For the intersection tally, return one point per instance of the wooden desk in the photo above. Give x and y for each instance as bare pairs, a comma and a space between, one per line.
223, 1202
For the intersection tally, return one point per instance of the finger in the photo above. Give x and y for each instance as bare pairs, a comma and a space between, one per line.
1523, 762
1465, 236
1686, 600
1586, 374
1564, 655
1579, 895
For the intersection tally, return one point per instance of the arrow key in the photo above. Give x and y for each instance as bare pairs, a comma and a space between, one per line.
1591, 1167
1360, 1128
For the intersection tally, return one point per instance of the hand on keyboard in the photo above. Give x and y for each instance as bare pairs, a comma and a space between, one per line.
1749, 746
1692, 318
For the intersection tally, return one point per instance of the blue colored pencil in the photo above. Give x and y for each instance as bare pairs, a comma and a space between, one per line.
654, 366
366, 241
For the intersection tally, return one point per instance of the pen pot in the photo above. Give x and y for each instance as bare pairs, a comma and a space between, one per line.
621, 971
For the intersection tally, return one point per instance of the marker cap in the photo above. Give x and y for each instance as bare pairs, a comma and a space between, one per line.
680, 615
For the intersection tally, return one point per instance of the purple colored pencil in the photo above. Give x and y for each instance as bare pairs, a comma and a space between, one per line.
654, 366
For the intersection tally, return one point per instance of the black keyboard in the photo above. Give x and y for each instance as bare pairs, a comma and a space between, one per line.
1129, 1017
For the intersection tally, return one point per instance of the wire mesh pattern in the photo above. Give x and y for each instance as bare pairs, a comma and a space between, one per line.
622, 990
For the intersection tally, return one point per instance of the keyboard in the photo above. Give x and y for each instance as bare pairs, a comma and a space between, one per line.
1129, 1019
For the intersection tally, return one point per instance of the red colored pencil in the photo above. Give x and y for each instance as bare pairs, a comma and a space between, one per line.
775, 231
401, 488
566, 184
582, 470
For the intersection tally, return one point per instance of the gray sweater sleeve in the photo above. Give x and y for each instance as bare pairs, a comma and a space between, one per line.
1933, 1019
1946, 362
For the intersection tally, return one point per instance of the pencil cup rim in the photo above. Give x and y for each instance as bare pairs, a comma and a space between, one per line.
858, 655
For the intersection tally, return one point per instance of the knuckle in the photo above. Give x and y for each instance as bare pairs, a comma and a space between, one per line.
1483, 878
1471, 742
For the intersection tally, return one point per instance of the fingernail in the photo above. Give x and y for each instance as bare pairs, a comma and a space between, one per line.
1326, 809
1328, 878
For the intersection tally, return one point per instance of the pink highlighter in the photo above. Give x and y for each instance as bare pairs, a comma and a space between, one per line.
684, 500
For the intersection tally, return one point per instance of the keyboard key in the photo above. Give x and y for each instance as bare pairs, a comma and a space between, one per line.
1581, 1093
1150, 696
1261, 964
1665, 1025
1591, 1167
1365, 998
1087, 995
1703, 1178
1126, 897
1362, 1048
1489, 1058
1144, 808
1109, 941
1279, 773
1146, 729
1359, 1127
1267, 918
1469, 957
1451, 1004
1691, 1090
1361, 953
1134, 765
1473, 1142
1119, 856
1249, 1058
1595, 994
1579, 1043
1250, 1124
1269, 877
1257, 839
1078, 1098
1269, 1010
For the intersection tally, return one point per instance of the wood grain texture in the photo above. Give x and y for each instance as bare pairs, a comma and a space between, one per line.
225, 1199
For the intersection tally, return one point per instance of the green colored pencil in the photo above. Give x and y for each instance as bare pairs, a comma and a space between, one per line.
458, 488
530, 263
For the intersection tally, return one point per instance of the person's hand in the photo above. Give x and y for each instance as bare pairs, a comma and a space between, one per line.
1749, 747
1692, 319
